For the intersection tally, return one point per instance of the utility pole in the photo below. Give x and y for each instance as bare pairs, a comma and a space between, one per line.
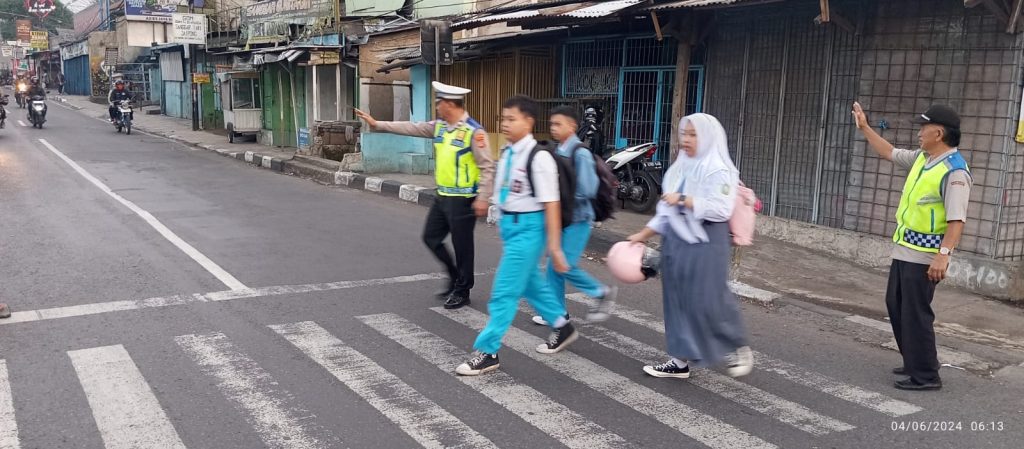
192, 72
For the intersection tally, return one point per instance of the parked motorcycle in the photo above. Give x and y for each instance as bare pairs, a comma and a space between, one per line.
123, 121
590, 131
37, 111
639, 176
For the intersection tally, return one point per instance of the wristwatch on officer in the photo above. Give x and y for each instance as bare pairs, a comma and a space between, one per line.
945, 251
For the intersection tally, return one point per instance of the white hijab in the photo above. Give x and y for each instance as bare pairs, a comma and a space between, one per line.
689, 172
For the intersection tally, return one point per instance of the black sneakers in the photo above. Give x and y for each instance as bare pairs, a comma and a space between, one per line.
454, 301
559, 339
481, 363
668, 369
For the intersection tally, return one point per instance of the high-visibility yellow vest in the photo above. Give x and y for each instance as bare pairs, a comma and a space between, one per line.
921, 217
455, 169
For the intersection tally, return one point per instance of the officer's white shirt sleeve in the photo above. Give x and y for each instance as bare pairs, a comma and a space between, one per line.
905, 158
716, 198
545, 177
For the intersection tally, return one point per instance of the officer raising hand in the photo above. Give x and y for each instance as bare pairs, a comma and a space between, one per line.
464, 173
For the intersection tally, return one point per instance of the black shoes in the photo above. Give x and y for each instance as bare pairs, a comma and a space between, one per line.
454, 301
481, 363
668, 369
911, 384
899, 371
559, 339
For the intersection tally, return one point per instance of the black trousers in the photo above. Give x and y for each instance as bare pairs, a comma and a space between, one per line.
909, 300
453, 215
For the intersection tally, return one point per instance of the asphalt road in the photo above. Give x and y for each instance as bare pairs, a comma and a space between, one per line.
170, 297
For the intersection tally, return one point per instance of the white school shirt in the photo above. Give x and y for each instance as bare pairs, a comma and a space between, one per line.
545, 178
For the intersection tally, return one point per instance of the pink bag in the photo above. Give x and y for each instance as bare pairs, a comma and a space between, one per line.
741, 224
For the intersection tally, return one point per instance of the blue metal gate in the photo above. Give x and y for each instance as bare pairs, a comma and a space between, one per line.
78, 80
636, 77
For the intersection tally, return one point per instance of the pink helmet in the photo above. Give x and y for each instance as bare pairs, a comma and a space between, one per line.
632, 263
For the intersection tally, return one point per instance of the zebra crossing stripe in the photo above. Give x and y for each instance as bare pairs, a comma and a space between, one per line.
567, 426
762, 401
252, 390
850, 393
422, 419
686, 420
127, 413
8, 425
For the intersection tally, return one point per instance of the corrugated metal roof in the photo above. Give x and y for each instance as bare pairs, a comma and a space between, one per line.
691, 4
501, 17
601, 9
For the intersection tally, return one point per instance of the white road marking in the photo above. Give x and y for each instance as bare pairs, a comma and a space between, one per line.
422, 419
8, 425
190, 251
748, 291
21, 123
252, 390
565, 425
127, 413
684, 419
827, 385
26, 316
865, 321
746, 395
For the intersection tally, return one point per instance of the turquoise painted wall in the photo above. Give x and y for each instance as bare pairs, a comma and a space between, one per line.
388, 153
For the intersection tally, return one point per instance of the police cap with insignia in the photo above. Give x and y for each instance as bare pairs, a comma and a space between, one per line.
446, 92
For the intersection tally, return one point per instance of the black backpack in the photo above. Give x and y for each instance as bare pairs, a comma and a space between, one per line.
566, 178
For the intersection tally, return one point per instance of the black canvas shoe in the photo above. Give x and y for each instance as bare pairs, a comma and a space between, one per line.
668, 369
443, 294
911, 384
455, 301
559, 339
481, 363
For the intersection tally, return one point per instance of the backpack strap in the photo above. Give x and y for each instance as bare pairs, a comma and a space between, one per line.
529, 167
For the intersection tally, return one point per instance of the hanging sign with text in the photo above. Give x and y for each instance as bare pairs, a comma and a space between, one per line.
189, 29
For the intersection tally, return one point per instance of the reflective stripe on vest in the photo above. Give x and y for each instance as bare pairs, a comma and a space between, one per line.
455, 169
921, 217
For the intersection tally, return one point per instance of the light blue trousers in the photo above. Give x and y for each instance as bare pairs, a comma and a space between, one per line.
574, 241
518, 276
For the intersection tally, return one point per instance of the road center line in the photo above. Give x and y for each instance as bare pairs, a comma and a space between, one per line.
189, 250
227, 295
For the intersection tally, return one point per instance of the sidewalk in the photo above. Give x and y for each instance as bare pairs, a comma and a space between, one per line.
772, 273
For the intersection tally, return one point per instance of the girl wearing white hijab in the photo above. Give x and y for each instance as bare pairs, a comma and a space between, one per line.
703, 325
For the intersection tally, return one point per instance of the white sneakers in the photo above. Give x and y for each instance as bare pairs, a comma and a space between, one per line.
740, 362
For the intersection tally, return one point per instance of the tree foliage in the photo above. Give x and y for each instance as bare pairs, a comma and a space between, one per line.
11, 10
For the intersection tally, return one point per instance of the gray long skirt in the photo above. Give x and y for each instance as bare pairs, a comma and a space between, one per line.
702, 317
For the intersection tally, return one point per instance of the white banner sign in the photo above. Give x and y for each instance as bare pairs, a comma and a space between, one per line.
189, 29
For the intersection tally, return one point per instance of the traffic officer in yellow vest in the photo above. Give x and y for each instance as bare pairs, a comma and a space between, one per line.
929, 222
464, 173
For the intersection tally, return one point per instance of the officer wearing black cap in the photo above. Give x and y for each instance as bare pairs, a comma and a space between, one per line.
929, 222
464, 173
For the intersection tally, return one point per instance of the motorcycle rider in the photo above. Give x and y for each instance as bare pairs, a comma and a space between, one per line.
117, 95
36, 89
